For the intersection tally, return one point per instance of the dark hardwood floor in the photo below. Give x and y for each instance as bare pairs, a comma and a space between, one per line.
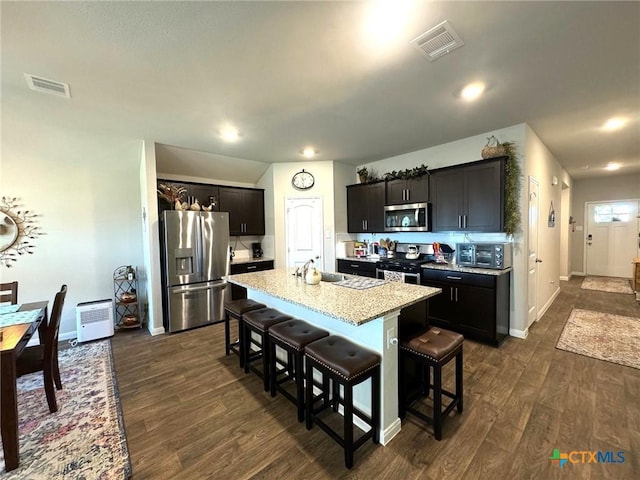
190, 413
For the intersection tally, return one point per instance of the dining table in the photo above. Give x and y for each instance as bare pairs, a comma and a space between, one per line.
18, 323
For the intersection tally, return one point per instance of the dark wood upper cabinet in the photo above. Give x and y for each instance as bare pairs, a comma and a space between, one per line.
365, 208
469, 197
207, 195
246, 210
415, 190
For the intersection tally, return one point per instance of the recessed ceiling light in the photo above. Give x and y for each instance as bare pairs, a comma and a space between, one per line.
612, 166
309, 152
472, 91
613, 124
229, 134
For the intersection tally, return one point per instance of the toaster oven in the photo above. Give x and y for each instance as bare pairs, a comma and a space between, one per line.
484, 255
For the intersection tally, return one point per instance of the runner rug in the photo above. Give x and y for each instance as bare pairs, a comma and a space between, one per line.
613, 338
607, 284
85, 438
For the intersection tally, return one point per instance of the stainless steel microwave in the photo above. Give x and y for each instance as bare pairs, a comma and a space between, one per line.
484, 255
415, 217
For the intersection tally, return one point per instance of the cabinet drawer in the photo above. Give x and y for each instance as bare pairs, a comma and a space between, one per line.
356, 267
451, 276
251, 267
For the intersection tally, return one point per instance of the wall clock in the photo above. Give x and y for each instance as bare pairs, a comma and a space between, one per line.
302, 180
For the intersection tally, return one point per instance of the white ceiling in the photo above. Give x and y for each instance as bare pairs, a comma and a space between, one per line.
291, 74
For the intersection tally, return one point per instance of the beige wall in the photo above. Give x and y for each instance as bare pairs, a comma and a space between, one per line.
85, 188
603, 188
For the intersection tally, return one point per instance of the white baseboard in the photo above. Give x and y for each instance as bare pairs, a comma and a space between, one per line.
391, 431
546, 306
519, 333
579, 274
157, 331
566, 279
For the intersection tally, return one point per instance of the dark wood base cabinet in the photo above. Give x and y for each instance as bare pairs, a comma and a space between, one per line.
476, 305
357, 267
238, 292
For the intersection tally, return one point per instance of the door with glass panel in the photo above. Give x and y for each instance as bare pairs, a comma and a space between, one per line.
612, 237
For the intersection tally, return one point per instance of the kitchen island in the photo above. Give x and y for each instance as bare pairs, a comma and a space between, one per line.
368, 317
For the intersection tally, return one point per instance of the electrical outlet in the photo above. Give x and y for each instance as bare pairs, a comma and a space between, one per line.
391, 337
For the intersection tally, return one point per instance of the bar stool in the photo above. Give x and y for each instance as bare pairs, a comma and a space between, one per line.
259, 321
432, 349
236, 309
345, 364
292, 336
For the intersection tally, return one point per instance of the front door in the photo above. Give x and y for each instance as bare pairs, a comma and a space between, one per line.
304, 231
532, 250
612, 238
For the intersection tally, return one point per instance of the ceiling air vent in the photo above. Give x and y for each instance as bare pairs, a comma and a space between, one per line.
45, 85
438, 41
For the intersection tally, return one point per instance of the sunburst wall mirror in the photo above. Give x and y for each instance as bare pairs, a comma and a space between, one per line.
18, 230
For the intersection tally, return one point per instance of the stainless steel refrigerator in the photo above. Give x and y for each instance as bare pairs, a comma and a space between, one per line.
195, 256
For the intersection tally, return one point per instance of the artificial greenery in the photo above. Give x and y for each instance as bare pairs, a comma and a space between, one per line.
512, 190
415, 172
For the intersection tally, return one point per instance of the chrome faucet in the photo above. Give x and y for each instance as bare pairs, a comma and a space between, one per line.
305, 268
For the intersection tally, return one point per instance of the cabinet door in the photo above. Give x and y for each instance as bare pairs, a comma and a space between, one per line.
231, 201
447, 196
357, 208
441, 306
418, 190
476, 310
253, 209
206, 195
396, 192
484, 191
375, 211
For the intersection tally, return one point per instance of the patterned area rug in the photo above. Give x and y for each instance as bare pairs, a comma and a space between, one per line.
85, 438
607, 284
613, 338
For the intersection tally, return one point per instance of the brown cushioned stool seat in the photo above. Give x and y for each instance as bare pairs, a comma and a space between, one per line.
432, 349
348, 364
258, 322
236, 309
292, 336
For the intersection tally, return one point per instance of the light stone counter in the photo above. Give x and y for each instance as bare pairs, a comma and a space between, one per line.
240, 260
367, 317
457, 268
346, 304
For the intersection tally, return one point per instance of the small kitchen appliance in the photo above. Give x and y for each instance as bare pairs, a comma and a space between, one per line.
415, 217
496, 256
256, 249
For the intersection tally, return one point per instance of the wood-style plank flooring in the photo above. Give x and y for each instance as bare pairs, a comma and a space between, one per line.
190, 413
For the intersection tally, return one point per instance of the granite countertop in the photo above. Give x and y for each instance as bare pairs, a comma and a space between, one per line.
457, 268
236, 261
346, 304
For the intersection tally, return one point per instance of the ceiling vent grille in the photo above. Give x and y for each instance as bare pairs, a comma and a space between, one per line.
438, 41
46, 85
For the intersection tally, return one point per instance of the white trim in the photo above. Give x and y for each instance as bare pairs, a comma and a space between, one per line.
391, 431
566, 279
578, 274
157, 331
519, 333
546, 306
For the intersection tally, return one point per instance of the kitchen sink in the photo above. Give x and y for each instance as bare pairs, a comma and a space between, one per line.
332, 277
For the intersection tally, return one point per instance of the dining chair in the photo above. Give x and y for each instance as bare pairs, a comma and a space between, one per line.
44, 357
9, 292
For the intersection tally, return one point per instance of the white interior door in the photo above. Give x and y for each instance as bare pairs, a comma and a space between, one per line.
304, 231
532, 250
611, 238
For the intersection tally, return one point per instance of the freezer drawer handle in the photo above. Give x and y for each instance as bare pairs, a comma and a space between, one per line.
195, 289
454, 278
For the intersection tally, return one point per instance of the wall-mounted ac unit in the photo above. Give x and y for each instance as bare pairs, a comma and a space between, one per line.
94, 320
